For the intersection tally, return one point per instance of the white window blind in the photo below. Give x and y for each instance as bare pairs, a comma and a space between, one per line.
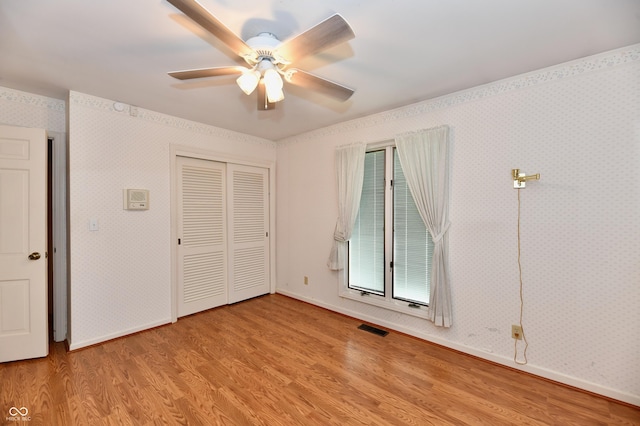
412, 245
366, 247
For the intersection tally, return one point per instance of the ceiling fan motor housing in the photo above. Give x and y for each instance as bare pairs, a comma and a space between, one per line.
263, 44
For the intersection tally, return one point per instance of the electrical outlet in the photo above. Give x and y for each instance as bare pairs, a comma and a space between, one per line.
516, 332
306, 280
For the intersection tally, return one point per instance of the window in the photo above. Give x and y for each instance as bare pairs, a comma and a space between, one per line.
366, 247
390, 250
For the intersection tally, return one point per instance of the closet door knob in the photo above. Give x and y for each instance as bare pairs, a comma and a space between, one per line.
34, 256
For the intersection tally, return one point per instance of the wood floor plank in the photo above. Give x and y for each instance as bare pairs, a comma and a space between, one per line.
136, 406
251, 388
60, 415
277, 361
61, 382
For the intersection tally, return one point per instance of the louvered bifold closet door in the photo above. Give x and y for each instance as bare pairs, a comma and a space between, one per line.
202, 260
248, 203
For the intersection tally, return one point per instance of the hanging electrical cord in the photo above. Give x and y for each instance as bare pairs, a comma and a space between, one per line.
524, 337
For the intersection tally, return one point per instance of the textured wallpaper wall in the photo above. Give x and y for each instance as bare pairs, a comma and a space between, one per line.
121, 274
578, 125
23, 109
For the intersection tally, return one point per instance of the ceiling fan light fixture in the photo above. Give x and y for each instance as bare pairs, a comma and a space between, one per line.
273, 84
275, 95
248, 81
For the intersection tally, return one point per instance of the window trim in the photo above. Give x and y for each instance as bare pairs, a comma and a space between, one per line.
379, 301
385, 301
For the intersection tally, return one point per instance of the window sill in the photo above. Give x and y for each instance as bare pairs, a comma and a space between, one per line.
382, 302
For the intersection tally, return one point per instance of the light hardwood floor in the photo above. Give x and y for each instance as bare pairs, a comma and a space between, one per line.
277, 361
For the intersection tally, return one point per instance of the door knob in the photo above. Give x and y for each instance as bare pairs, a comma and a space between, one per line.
34, 256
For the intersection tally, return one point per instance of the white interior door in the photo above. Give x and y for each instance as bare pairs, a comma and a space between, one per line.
202, 258
248, 207
23, 244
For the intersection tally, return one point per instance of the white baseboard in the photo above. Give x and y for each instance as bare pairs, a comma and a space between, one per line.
83, 344
498, 359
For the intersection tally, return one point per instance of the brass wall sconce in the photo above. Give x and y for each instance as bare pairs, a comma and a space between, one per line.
520, 178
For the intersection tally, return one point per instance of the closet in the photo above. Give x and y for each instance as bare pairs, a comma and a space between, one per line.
223, 233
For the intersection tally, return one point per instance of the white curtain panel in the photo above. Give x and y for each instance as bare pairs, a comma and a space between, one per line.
349, 174
424, 156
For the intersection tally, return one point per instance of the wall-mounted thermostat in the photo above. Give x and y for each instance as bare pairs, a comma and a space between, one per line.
135, 199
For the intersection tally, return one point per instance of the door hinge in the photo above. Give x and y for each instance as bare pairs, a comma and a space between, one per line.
267, 233
391, 264
179, 242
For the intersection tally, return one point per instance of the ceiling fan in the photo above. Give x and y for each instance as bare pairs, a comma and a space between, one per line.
269, 58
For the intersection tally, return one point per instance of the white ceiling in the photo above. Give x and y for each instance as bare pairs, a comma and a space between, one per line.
404, 51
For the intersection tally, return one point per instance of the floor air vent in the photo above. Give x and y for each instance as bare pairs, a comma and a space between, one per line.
373, 330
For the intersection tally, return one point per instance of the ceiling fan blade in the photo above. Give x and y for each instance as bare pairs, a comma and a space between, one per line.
206, 20
206, 72
328, 33
319, 84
